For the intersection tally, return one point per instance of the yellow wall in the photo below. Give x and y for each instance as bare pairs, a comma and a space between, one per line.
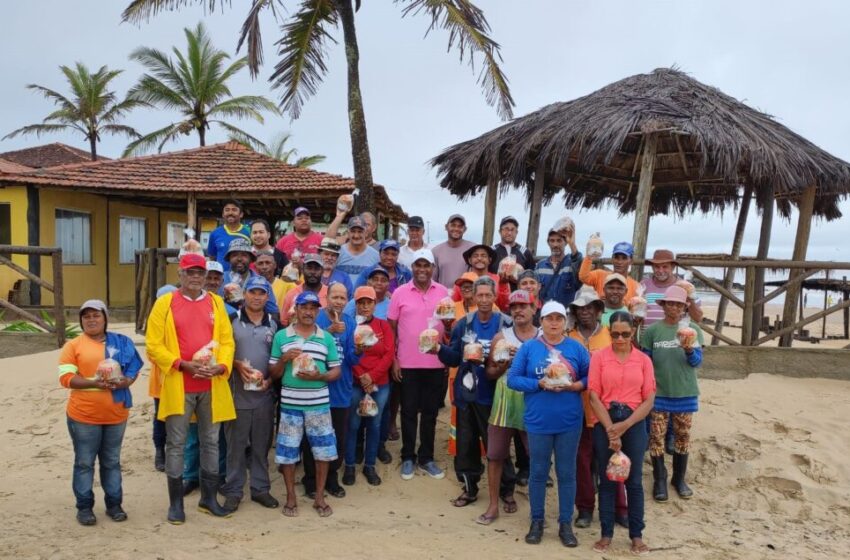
16, 197
164, 218
122, 277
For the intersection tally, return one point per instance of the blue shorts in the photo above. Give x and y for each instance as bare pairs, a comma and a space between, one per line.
320, 435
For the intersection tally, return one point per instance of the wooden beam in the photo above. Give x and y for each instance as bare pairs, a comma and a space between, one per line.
24, 272
746, 261
58, 299
23, 250
737, 242
490, 202
536, 207
682, 156
25, 314
747, 325
767, 201
788, 330
192, 213
643, 202
719, 335
801, 244
793, 282
714, 285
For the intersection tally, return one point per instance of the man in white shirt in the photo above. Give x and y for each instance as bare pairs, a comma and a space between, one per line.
416, 232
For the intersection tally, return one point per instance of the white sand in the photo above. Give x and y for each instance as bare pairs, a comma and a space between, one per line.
769, 469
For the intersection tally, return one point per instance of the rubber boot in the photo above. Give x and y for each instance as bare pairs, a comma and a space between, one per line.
659, 477
209, 491
680, 469
159, 459
176, 516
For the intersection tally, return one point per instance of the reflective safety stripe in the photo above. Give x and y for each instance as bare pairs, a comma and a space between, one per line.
67, 368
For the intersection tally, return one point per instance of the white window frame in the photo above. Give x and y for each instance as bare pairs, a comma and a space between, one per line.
68, 253
172, 240
138, 238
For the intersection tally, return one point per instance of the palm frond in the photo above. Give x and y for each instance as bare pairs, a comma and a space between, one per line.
120, 109
142, 10
251, 32
39, 129
148, 141
239, 135
246, 106
469, 32
121, 129
302, 49
54, 96
309, 161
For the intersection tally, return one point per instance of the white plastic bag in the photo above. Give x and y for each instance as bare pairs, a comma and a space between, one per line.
363, 334
557, 372
429, 339
473, 351
109, 369
595, 246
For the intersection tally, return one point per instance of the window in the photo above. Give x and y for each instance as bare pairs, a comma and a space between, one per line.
131, 238
5, 224
73, 236
175, 234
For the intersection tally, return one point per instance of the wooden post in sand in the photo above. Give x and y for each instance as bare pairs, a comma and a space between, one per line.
825, 300
729, 277
536, 207
801, 244
767, 203
490, 201
644, 197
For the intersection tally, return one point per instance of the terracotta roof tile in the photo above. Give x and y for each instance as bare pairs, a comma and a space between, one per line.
48, 155
7, 166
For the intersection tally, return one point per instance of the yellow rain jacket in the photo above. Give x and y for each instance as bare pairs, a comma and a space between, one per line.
163, 351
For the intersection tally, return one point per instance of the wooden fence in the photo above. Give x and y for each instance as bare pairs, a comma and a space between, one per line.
58, 326
151, 266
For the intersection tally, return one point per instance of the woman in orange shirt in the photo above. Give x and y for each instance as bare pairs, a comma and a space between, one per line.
98, 407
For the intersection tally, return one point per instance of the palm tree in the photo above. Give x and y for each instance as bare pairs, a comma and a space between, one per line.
277, 149
91, 109
196, 86
302, 67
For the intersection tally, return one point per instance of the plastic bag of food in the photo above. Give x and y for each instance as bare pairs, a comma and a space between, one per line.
304, 363
510, 269
686, 335
618, 467
558, 373
473, 351
290, 273
429, 339
206, 354
367, 407
688, 287
502, 350
109, 369
346, 202
191, 247
297, 256
445, 309
256, 376
595, 246
564, 224
637, 304
363, 334
232, 290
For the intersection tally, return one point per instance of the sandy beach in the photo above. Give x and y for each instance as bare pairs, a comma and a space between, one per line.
769, 471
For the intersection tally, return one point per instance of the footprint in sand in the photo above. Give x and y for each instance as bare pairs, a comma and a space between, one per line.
813, 469
795, 434
789, 488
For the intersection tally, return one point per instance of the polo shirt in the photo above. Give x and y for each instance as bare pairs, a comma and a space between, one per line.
289, 242
220, 239
253, 343
411, 309
630, 382
297, 393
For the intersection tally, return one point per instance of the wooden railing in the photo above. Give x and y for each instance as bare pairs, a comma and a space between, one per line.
58, 326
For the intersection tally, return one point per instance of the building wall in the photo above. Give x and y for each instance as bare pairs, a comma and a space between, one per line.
165, 217
16, 197
122, 277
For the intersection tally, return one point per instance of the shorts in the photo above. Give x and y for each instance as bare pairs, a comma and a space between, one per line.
320, 435
499, 441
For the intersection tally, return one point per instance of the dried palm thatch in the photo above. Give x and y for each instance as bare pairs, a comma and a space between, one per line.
709, 146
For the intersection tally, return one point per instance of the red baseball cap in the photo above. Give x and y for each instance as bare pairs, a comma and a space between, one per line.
192, 260
520, 296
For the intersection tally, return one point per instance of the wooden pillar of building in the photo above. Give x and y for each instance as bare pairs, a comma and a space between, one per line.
767, 202
643, 202
192, 214
729, 278
801, 244
491, 199
536, 207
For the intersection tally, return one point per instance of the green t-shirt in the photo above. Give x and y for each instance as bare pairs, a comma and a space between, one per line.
606, 315
297, 393
674, 377
508, 406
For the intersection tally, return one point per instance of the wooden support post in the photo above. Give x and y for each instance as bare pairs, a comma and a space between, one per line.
58, 299
801, 244
846, 296
767, 202
825, 301
490, 202
643, 202
192, 214
536, 207
737, 241
749, 300
395, 231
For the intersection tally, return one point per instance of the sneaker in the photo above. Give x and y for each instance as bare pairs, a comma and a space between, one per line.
349, 477
384, 456
432, 470
584, 519
116, 513
86, 517
407, 470
266, 500
372, 476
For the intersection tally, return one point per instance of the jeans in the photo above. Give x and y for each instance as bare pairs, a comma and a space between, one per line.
421, 395
540, 449
373, 425
585, 479
101, 441
177, 428
158, 427
252, 430
634, 446
192, 453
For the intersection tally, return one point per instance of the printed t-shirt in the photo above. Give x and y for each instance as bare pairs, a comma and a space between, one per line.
629, 382
193, 321
674, 377
289, 242
653, 292
297, 393
412, 309
354, 265
220, 239
605, 319
90, 406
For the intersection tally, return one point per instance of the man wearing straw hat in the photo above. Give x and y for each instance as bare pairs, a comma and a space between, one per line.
663, 263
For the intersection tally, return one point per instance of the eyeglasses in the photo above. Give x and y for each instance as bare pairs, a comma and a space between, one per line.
624, 335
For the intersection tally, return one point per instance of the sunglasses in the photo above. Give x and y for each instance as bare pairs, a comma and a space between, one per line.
624, 335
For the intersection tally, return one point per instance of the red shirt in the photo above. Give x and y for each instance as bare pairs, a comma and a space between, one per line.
376, 360
193, 321
629, 383
289, 242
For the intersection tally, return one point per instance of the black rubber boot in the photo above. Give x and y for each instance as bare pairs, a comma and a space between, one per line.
159, 459
565, 533
176, 516
680, 469
209, 500
535, 532
659, 477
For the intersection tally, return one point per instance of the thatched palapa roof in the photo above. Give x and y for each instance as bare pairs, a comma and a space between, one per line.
709, 146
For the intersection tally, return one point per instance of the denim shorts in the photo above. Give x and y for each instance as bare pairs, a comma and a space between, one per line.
320, 435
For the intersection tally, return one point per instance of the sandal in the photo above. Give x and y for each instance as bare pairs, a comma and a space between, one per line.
485, 519
323, 511
509, 504
639, 549
290, 511
602, 545
464, 500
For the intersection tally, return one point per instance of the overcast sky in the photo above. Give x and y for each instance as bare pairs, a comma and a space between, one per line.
789, 59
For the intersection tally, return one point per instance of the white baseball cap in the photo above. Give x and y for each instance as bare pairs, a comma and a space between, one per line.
553, 307
215, 266
423, 254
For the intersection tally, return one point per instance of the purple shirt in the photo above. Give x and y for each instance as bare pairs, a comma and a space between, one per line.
412, 308
450, 264
652, 293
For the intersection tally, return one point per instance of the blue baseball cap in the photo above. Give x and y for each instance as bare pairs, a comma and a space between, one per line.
624, 248
307, 297
356, 222
257, 283
389, 244
378, 269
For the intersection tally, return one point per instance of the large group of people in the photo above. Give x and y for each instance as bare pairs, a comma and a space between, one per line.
313, 347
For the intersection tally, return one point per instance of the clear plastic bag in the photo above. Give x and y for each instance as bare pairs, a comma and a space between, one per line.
206, 354
501, 351
473, 351
557, 372
429, 339
367, 407
256, 376
290, 273
346, 202
688, 287
564, 224
445, 309
638, 304
233, 292
363, 334
595, 246
618, 467
510, 269
686, 335
109, 369
304, 363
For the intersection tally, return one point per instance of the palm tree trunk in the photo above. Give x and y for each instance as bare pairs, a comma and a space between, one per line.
93, 147
202, 135
356, 116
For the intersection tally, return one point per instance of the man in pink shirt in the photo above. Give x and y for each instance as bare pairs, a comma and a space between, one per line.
303, 238
420, 374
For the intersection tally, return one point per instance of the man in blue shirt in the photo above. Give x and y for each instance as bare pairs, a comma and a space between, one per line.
231, 229
379, 279
558, 274
356, 255
399, 274
240, 257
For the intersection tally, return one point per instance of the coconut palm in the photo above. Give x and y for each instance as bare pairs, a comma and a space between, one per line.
195, 84
277, 149
302, 50
91, 109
